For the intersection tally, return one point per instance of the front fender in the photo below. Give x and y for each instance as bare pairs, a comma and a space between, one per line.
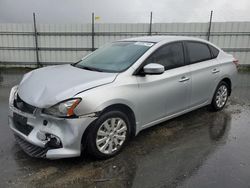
113, 102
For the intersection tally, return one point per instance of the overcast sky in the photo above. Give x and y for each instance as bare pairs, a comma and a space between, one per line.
116, 11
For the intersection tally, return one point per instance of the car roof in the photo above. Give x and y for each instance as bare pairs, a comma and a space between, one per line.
157, 39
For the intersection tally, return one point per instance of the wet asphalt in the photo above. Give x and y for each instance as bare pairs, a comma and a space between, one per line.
199, 149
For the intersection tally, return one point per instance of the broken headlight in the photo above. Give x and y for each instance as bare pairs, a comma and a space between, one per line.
63, 109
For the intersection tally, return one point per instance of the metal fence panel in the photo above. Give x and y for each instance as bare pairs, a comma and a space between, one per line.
67, 43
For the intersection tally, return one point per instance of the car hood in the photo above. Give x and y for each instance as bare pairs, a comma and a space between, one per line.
49, 85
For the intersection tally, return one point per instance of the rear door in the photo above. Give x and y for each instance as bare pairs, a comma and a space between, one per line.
204, 72
167, 93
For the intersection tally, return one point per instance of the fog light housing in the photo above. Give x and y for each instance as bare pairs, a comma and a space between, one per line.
52, 141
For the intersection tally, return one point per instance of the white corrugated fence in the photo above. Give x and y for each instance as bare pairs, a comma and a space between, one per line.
67, 43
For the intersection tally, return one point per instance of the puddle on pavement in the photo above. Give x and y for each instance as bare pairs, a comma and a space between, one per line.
179, 152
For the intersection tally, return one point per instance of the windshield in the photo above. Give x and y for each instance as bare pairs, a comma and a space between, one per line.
114, 57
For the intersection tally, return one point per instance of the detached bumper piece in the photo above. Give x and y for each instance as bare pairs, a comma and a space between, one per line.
30, 149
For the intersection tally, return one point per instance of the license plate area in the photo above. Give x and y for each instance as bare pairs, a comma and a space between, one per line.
20, 123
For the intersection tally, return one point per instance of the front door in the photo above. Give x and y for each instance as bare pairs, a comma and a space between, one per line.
168, 93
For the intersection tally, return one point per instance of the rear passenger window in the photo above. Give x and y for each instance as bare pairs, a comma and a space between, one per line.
214, 51
170, 56
198, 52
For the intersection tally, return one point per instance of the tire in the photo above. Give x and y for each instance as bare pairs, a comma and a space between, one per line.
108, 135
220, 96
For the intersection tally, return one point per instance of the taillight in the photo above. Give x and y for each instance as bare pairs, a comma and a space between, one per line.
236, 62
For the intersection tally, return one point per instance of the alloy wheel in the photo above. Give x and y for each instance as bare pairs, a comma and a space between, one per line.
111, 135
221, 96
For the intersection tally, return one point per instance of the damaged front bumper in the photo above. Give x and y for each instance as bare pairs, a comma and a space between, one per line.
47, 137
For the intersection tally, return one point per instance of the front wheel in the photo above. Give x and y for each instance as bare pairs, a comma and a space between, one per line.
220, 96
108, 134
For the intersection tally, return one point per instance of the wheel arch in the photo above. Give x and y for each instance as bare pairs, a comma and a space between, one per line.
120, 107
127, 111
229, 83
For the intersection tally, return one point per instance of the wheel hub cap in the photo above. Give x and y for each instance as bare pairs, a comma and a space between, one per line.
111, 135
221, 96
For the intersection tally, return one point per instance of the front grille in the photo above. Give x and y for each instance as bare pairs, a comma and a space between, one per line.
30, 149
23, 106
20, 123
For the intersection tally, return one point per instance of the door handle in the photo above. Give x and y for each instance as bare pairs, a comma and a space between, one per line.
215, 71
184, 79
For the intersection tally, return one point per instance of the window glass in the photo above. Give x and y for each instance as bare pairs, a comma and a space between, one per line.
198, 51
215, 51
114, 57
170, 56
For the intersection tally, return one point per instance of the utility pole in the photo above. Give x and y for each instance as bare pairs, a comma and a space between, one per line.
93, 32
150, 24
210, 24
36, 41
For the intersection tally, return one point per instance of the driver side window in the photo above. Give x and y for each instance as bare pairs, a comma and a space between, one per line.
170, 56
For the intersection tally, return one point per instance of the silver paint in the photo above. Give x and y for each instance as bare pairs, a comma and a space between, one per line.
152, 98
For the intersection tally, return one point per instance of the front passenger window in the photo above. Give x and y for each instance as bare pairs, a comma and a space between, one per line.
170, 56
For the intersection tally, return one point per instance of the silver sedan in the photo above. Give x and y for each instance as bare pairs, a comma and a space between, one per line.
98, 103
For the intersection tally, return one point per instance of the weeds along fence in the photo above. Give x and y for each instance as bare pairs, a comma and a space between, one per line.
49, 44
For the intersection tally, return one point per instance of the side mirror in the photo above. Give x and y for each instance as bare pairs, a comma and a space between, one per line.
153, 68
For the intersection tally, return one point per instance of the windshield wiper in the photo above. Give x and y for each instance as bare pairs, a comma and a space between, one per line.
90, 68
74, 64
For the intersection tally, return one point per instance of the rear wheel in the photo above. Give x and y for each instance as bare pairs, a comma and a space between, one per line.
220, 96
108, 135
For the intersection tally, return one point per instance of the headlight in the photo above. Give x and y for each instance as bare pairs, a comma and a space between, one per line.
63, 109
